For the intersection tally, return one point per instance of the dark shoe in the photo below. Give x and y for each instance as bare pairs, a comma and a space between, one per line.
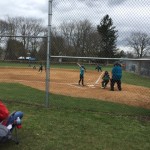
111, 89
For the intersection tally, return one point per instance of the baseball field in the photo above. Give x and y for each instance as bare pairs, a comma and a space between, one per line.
65, 82
86, 118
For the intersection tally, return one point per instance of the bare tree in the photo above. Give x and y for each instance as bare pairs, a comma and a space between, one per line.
78, 36
140, 42
27, 27
14, 49
4, 27
93, 44
58, 43
82, 36
67, 33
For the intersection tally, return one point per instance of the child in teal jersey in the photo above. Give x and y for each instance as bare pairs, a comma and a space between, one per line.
82, 70
98, 68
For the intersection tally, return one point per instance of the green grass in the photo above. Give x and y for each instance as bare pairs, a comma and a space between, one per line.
75, 123
75, 66
134, 79
11, 64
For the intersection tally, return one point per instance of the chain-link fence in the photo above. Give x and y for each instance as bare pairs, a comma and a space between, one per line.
92, 36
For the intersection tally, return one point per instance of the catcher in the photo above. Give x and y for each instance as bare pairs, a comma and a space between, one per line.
106, 79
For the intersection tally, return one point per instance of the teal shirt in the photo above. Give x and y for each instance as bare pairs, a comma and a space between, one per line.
81, 71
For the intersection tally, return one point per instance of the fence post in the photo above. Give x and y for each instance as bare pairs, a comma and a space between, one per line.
48, 52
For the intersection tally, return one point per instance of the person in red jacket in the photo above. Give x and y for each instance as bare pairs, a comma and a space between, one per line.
4, 113
9, 119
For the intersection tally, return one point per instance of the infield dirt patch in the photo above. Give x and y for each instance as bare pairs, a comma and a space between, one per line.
65, 82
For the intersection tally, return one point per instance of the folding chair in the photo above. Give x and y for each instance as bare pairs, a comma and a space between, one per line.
7, 126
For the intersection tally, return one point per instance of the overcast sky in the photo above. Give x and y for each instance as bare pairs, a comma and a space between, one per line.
127, 15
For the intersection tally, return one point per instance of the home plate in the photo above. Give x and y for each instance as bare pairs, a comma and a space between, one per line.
92, 86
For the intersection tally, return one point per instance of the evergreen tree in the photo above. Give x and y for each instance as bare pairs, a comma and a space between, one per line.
108, 37
14, 49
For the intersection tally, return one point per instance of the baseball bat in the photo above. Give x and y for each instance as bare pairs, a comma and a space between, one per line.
78, 64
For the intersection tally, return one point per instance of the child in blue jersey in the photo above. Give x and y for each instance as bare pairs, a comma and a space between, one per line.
116, 76
106, 79
82, 70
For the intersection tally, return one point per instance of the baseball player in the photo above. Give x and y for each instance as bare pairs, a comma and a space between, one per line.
98, 68
106, 79
82, 70
41, 68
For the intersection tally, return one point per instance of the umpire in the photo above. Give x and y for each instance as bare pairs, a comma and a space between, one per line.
116, 76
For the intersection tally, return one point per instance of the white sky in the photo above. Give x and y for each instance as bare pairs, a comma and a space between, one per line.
127, 15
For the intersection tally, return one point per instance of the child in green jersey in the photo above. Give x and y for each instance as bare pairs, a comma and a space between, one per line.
106, 79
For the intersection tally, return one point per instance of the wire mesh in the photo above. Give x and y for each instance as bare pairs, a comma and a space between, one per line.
78, 36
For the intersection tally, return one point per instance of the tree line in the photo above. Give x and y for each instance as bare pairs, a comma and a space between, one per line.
75, 38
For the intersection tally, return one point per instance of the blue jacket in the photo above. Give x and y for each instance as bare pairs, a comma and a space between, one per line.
117, 73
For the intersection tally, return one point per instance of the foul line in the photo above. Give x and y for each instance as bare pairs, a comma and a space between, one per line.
100, 76
69, 84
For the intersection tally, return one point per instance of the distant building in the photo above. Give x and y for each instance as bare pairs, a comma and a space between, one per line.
138, 66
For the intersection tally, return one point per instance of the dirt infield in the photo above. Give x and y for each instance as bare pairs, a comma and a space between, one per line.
65, 82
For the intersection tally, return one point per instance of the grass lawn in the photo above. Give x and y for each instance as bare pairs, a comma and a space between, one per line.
75, 123
11, 64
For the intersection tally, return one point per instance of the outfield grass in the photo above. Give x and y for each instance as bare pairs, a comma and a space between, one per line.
134, 79
75, 123
11, 64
